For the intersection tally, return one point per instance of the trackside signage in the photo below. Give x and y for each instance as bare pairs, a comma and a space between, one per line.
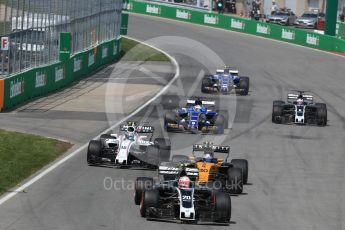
288, 34
17, 87
41, 79
312, 39
183, 14
91, 60
237, 24
59, 73
210, 19
263, 29
105, 52
77, 64
115, 49
151, 9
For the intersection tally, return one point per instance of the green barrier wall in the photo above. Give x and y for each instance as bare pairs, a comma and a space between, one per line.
272, 31
40, 81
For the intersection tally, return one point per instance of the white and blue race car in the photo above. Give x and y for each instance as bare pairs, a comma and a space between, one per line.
133, 147
225, 81
198, 116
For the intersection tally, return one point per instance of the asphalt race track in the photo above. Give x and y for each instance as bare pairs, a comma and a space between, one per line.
296, 173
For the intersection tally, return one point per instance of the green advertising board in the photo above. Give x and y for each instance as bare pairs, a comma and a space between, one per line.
235, 23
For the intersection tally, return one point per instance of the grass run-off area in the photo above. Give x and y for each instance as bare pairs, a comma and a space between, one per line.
23, 154
134, 51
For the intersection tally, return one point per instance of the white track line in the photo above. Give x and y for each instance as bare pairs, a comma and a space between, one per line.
74, 153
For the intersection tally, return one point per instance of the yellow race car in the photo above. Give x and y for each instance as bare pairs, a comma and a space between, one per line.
213, 171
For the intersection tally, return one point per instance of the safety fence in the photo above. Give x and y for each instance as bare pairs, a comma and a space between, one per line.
30, 29
234, 23
40, 81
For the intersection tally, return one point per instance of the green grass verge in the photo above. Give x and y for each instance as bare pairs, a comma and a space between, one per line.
23, 154
134, 51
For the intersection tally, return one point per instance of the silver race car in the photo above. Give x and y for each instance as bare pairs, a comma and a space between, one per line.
133, 147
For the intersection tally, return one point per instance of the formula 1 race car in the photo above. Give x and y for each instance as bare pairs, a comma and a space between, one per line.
181, 200
225, 81
299, 109
130, 148
230, 176
197, 117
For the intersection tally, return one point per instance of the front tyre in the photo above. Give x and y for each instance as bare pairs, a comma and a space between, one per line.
94, 151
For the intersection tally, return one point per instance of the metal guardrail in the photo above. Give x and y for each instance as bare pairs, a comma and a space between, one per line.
30, 29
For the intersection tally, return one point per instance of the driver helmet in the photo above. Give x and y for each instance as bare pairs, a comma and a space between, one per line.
208, 151
130, 133
300, 100
197, 104
184, 182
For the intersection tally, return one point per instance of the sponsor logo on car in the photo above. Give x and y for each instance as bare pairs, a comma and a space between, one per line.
210, 19
153, 9
183, 14
237, 24
59, 73
41, 79
263, 29
313, 39
16, 87
288, 34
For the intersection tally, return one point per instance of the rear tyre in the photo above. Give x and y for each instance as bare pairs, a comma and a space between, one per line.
149, 198
220, 124
164, 146
141, 184
244, 85
235, 181
152, 156
170, 117
223, 207
243, 165
94, 151
180, 158
321, 114
206, 82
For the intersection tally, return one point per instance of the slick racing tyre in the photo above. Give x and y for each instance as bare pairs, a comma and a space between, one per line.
149, 198
170, 117
206, 82
277, 111
321, 114
164, 146
243, 165
180, 158
94, 151
223, 207
141, 184
235, 181
244, 85
220, 124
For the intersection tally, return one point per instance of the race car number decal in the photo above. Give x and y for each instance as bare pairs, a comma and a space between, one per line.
185, 197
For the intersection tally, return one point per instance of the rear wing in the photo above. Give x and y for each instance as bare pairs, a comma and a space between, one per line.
137, 128
171, 170
291, 97
206, 103
216, 148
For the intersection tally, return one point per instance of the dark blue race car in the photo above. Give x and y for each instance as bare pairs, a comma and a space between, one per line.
225, 81
197, 117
